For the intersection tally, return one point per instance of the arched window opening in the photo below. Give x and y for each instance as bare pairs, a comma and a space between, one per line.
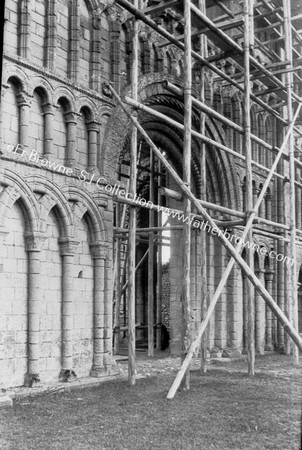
38, 34
37, 125
62, 39
60, 130
82, 138
11, 128
85, 44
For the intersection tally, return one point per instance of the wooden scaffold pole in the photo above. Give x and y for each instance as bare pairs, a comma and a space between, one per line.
250, 291
291, 271
132, 214
203, 184
151, 264
186, 294
159, 269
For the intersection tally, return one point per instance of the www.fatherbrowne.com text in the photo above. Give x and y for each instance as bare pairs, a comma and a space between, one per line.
101, 183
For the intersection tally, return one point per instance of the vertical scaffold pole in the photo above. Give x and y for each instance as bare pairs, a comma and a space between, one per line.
292, 270
132, 214
248, 17
203, 183
151, 265
187, 181
159, 267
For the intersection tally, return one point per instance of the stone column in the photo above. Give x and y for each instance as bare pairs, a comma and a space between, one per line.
108, 314
220, 262
99, 255
24, 111
234, 313
93, 129
269, 276
260, 318
255, 195
48, 130
33, 243
67, 250
281, 294
262, 209
268, 205
244, 296
71, 121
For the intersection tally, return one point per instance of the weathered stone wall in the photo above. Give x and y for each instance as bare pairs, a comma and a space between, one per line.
13, 300
56, 230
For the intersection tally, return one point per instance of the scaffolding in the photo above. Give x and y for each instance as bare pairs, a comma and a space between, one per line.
280, 79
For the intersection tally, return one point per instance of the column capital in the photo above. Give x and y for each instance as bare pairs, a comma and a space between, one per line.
23, 99
259, 272
48, 108
34, 241
93, 126
99, 250
269, 275
68, 246
71, 117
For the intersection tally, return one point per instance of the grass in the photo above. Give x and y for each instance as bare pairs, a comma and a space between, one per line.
224, 409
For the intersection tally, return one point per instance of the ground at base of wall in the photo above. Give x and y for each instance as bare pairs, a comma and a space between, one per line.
224, 409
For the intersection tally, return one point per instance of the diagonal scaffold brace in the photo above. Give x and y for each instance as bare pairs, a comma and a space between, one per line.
234, 251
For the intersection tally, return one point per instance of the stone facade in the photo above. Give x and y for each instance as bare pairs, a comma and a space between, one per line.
62, 140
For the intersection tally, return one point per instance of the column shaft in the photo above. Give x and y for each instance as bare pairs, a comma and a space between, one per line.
48, 133
99, 254
24, 111
71, 139
33, 312
260, 319
67, 312
269, 315
92, 146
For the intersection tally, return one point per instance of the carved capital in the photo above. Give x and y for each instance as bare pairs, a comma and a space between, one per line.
34, 241
71, 117
48, 109
23, 99
99, 250
68, 246
93, 126
269, 275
